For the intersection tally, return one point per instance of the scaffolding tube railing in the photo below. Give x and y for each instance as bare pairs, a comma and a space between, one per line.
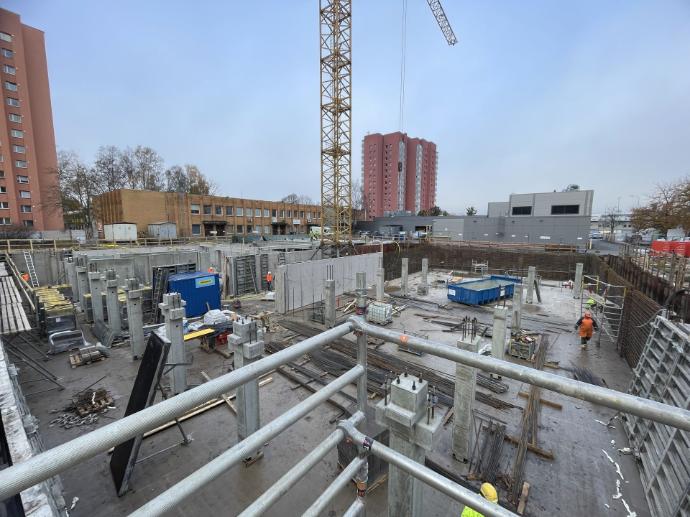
50, 463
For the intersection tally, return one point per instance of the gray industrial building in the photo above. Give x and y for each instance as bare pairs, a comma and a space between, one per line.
537, 218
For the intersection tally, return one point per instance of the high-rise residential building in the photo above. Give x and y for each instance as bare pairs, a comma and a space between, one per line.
28, 159
399, 174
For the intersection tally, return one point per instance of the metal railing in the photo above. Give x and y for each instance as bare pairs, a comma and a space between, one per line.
58, 459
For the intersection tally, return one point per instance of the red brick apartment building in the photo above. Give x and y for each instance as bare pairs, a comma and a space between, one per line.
399, 174
28, 159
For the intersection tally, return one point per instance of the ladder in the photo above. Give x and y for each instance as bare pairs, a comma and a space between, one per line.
160, 288
29, 259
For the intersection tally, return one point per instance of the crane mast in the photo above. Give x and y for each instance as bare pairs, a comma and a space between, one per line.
335, 29
336, 119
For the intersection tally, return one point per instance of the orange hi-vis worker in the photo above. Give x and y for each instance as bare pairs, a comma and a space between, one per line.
269, 279
587, 326
26, 277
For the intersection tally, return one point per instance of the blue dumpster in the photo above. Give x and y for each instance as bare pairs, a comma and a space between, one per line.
200, 290
480, 292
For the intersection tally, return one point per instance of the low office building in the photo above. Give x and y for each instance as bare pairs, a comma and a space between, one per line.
197, 215
538, 218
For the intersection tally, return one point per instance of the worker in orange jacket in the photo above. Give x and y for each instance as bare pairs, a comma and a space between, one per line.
269, 279
587, 326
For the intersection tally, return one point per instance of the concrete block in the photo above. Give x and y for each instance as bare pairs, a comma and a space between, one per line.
423, 287
516, 309
531, 277
403, 276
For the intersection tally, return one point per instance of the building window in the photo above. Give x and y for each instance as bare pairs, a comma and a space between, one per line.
207, 209
9, 69
274, 213
228, 210
309, 216
7, 52
267, 230
257, 212
25, 194
11, 101
9, 85
282, 213
240, 228
240, 212
5, 220
249, 228
17, 133
2, 174
301, 214
28, 222
5, 37
266, 212
25, 209
21, 164
19, 149
565, 209
15, 118
522, 210
4, 205
22, 179
196, 229
3, 189
219, 210
195, 209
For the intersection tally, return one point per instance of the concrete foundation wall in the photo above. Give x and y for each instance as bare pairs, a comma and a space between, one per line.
301, 284
24, 442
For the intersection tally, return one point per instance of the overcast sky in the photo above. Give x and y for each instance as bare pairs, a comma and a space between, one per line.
536, 94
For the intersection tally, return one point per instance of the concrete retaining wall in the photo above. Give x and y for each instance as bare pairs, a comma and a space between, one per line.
300, 284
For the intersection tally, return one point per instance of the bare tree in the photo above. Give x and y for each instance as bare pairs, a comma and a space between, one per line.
148, 168
471, 210
357, 195
197, 182
129, 169
108, 167
176, 179
611, 219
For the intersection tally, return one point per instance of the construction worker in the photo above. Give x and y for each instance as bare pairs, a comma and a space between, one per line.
587, 326
26, 277
269, 279
489, 493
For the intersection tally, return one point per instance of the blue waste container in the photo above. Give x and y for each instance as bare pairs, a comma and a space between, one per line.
200, 290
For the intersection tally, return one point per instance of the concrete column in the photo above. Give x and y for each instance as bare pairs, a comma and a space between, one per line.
243, 331
135, 318
463, 402
380, 282
257, 271
248, 411
577, 290
516, 315
71, 274
82, 285
112, 303
531, 276
498, 336
413, 429
424, 286
96, 289
173, 312
403, 276
329, 303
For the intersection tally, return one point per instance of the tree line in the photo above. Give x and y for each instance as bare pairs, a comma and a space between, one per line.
139, 168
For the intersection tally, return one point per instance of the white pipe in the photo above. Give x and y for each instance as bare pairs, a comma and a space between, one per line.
428, 476
199, 479
645, 408
50, 463
281, 487
332, 490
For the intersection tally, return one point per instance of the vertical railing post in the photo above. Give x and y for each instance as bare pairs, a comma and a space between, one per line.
361, 308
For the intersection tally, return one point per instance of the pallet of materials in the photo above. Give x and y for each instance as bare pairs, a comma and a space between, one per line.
55, 313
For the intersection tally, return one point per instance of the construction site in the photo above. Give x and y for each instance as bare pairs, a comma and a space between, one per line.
396, 379
315, 372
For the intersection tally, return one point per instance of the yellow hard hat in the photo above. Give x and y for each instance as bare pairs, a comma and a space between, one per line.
489, 492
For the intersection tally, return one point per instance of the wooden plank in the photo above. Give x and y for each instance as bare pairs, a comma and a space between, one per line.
549, 403
223, 395
533, 448
523, 498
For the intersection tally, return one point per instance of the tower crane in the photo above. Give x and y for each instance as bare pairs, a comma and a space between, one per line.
335, 29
